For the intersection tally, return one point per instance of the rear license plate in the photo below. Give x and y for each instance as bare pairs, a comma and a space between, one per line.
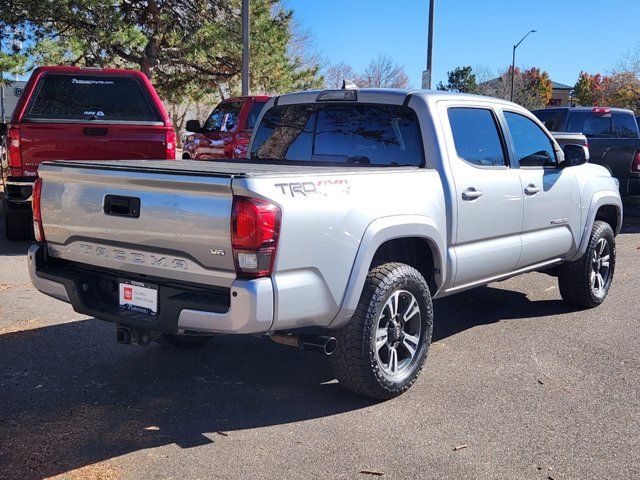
139, 297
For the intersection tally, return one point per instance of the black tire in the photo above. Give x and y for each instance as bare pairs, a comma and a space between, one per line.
18, 224
575, 278
355, 361
185, 341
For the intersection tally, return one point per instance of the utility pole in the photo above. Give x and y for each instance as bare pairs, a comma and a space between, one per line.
426, 75
245, 47
513, 60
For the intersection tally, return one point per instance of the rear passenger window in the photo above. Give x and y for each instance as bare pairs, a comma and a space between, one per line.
624, 125
551, 118
358, 134
533, 146
254, 113
476, 136
590, 124
82, 97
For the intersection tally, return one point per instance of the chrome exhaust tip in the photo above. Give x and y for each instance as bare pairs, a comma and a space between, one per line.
313, 343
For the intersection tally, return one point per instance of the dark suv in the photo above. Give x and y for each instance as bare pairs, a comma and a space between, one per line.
614, 140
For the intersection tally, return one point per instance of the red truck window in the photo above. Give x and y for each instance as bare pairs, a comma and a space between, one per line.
83, 97
224, 117
254, 113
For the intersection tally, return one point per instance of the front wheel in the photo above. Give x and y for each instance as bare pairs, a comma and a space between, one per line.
382, 349
586, 282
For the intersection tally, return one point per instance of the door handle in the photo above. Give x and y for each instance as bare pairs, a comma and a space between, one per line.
531, 189
471, 194
121, 206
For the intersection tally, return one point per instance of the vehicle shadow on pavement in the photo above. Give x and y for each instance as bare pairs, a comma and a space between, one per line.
485, 305
72, 397
8, 248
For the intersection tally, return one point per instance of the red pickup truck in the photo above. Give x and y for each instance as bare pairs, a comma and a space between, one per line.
227, 131
72, 113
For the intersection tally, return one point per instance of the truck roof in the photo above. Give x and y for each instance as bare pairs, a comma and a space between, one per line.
584, 109
386, 95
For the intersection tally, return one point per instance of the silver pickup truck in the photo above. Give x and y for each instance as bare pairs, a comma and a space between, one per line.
353, 211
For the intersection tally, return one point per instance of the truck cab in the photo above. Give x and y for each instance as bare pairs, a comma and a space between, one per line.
227, 130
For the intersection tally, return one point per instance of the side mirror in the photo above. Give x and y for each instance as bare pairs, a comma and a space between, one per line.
193, 126
574, 155
3, 129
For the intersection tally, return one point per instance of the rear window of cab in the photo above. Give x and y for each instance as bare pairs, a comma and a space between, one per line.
352, 134
89, 97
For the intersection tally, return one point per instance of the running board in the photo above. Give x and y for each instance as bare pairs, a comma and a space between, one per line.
499, 278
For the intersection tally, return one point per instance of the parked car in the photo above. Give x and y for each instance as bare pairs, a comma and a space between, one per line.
227, 131
355, 209
614, 140
72, 113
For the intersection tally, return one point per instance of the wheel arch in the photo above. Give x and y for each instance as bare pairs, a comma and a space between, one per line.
606, 206
395, 239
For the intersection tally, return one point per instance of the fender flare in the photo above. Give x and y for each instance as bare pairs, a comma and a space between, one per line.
378, 232
599, 199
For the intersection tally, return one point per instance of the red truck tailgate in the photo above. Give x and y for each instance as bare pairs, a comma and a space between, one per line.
101, 141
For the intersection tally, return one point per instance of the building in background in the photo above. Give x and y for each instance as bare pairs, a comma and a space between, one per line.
12, 93
560, 95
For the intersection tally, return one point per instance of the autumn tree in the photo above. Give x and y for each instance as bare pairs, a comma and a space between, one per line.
532, 88
460, 79
591, 89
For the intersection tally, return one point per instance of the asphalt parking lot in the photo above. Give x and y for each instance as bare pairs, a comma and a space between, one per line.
517, 385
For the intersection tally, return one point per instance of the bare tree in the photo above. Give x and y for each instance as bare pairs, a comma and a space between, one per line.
384, 72
303, 46
335, 74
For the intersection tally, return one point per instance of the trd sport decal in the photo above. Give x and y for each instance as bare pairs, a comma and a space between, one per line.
324, 188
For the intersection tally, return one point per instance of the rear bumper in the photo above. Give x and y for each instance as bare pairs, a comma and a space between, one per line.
246, 307
18, 190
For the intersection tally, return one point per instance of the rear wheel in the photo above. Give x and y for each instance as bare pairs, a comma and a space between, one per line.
185, 341
586, 282
18, 223
382, 349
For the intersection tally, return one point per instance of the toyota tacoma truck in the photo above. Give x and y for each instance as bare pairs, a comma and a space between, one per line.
74, 113
353, 210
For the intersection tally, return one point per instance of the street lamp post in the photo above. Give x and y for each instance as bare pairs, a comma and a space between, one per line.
513, 61
426, 75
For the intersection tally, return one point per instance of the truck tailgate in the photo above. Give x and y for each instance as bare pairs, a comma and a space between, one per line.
180, 231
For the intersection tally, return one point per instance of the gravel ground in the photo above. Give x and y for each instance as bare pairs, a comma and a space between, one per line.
517, 385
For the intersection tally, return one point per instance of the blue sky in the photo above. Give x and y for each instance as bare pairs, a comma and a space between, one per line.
572, 35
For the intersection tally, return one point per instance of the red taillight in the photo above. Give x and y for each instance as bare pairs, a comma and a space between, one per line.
170, 142
601, 110
13, 151
255, 225
37, 213
635, 166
